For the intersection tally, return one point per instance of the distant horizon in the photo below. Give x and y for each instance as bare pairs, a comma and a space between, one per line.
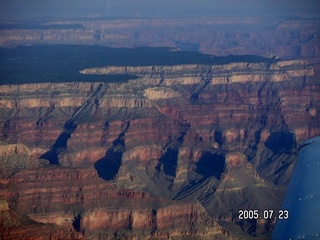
12, 10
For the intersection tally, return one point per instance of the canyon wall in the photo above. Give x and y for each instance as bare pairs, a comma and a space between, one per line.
74, 203
177, 151
218, 36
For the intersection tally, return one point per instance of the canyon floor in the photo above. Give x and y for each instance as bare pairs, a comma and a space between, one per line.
122, 129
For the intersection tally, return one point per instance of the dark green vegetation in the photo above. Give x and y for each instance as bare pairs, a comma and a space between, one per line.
62, 63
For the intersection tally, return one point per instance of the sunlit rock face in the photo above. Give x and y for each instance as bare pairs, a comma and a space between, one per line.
176, 152
82, 120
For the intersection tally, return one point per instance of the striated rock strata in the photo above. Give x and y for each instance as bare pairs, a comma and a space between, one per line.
284, 37
16, 226
174, 153
77, 199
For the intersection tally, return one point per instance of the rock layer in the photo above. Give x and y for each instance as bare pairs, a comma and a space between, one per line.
76, 198
184, 146
219, 36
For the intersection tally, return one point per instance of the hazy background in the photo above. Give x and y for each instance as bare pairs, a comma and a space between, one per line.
75, 9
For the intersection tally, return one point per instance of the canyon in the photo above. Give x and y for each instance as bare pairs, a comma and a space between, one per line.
268, 36
174, 151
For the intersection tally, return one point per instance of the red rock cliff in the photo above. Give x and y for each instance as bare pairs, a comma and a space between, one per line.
210, 134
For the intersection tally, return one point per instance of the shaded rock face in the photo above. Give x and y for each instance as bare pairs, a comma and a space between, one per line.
158, 156
175, 153
78, 200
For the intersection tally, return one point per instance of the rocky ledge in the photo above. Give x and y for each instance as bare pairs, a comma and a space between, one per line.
184, 146
242, 72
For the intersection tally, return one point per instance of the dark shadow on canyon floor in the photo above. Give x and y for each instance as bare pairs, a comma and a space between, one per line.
60, 144
211, 165
168, 162
281, 142
77, 222
108, 166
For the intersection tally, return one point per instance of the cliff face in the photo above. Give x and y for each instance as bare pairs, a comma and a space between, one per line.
16, 226
218, 36
218, 74
182, 104
78, 200
176, 152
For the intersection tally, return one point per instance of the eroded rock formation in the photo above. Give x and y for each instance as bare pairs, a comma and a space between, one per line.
218, 36
176, 152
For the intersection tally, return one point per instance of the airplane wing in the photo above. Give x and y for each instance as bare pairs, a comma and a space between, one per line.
302, 201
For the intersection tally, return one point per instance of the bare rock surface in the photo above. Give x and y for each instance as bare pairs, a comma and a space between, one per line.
174, 152
283, 37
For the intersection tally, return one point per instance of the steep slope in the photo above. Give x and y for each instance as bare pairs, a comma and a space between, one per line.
77, 199
15, 226
185, 146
